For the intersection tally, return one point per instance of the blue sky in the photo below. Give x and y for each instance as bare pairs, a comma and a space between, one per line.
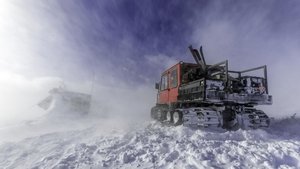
130, 43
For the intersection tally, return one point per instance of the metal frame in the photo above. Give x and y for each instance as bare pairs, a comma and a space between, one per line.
199, 58
264, 67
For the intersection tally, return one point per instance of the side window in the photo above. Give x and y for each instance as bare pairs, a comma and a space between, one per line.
164, 82
173, 78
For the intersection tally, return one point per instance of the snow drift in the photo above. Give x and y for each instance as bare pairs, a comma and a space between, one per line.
155, 146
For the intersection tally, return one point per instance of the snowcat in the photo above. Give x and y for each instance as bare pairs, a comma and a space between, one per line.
204, 95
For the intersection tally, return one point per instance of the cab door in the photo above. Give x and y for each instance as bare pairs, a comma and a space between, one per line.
169, 85
173, 84
163, 97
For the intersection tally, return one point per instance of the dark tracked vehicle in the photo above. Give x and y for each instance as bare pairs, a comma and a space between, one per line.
212, 95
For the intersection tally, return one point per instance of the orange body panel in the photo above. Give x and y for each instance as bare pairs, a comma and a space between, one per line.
170, 94
163, 97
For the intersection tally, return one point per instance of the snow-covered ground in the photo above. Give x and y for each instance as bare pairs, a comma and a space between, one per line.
151, 145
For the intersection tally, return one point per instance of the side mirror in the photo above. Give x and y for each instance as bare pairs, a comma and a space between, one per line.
157, 86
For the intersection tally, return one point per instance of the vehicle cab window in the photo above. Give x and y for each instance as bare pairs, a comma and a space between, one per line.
164, 82
173, 78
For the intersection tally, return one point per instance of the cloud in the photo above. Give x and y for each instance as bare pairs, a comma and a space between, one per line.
35, 56
251, 34
19, 96
46, 43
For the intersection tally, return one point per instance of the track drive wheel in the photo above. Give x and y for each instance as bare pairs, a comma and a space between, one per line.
177, 118
160, 115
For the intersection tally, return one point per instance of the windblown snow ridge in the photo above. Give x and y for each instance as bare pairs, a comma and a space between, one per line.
155, 146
